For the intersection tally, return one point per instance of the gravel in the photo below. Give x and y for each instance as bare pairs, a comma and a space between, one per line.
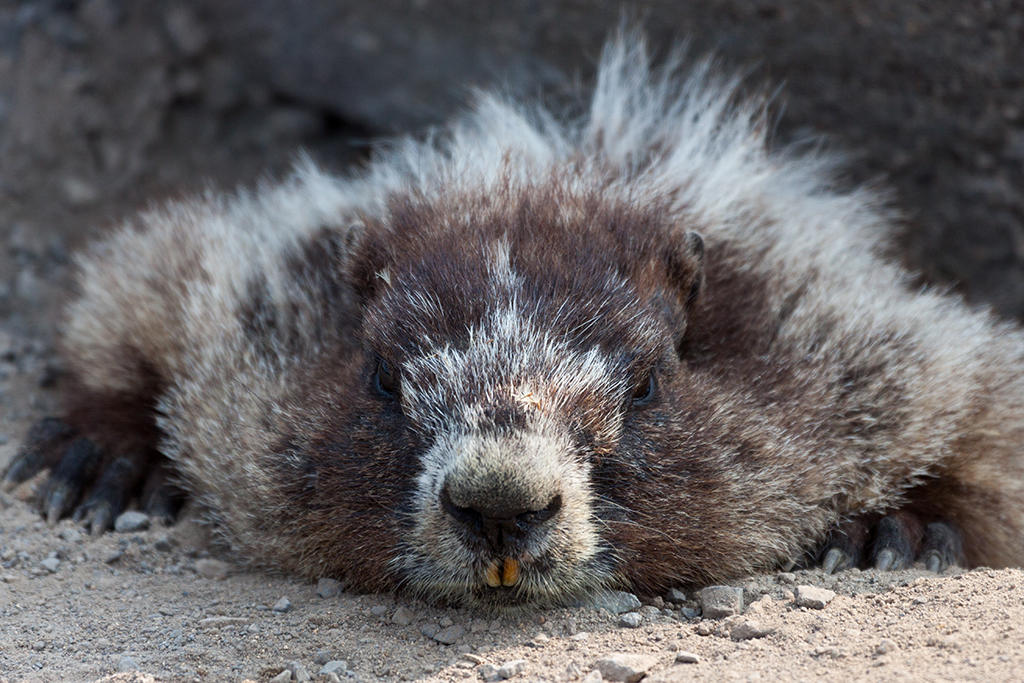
512, 668
718, 602
131, 521
813, 597
616, 602
328, 588
631, 620
626, 668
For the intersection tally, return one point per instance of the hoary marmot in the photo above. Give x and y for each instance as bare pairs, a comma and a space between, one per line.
532, 358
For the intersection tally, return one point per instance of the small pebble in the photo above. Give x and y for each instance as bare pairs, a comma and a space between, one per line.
322, 657
127, 664
429, 629
631, 620
378, 610
813, 597
624, 668
450, 635
50, 564
403, 616
687, 658
593, 677
71, 535
132, 520
488, 672
221, 622
675, 595
283, 606
215, 570
163, 544
282, 677
749, 628
470, 657
718, 602
299, 672
885, 647
616, 602
512, 668
328, 588
39, 646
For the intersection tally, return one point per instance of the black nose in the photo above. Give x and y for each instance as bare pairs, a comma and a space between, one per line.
495, 522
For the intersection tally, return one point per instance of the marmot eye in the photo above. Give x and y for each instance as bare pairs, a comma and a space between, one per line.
644, 390
385, 379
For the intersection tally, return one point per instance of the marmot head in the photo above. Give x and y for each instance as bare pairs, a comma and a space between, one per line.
514, 350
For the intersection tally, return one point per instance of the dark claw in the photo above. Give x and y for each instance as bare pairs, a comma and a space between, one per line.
933, 562
895, 539
836, 560
76, 469
37, 451
56, 503
885, 559
110, 496
943, 547
102, 519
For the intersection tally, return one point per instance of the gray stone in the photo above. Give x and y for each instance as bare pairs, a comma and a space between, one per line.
221, 622
631, 620
512, 668
675, 595
328, 588
378, 610
322, 657
283, 605
215, 570
488, 673
718, 602
299, 672
71, 535
594, 676
687, 658
450, 635
813, 597
403, 616
749, 628
132, 520
616, 602
163, 544
282, 677
624, 668
127, 664
50, 564
335, 666
430, 629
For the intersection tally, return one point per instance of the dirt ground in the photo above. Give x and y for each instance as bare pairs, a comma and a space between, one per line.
106, 114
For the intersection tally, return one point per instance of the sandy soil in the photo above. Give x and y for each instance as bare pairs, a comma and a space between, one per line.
152, 604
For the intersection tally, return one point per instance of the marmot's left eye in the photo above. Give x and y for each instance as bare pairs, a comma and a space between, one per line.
385, 379
644, 390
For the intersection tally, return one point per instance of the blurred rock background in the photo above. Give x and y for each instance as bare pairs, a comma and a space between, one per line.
109, 105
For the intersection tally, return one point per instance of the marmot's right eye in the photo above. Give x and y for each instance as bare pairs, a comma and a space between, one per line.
385, 379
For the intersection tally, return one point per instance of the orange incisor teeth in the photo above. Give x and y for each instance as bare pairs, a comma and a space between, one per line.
510, 574
492, 575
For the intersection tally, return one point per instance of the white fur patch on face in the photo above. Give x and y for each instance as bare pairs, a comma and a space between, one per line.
513, 363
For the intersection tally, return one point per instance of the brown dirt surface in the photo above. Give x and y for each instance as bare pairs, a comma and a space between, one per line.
136, 602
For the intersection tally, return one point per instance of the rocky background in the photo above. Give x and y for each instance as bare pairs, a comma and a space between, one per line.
107, 105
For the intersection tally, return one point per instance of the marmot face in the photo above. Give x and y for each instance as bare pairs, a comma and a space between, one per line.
527, 368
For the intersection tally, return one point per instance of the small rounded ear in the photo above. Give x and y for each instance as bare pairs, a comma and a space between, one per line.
368, 267
685, 264
685, 270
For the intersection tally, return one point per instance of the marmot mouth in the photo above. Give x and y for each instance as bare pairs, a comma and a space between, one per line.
502, 573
